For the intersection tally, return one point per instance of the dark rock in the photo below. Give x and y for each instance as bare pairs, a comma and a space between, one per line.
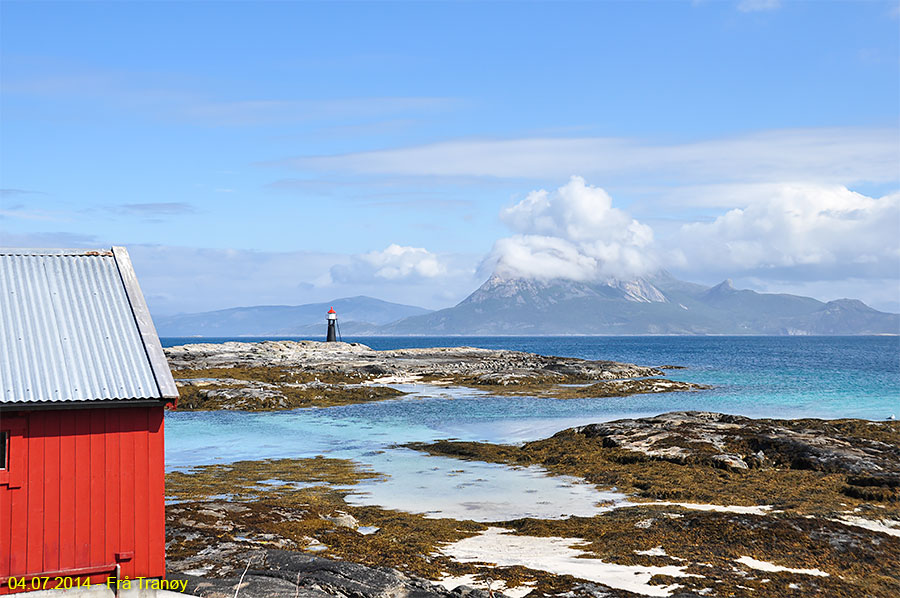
285, 574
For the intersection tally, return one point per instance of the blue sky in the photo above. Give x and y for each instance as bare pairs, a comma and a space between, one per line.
287, 152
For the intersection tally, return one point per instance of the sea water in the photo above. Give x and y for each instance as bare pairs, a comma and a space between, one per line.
782, 377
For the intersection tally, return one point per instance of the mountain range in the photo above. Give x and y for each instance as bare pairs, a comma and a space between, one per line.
358, 314
658, 304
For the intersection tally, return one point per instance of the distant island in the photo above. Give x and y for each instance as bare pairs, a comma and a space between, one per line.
659, 304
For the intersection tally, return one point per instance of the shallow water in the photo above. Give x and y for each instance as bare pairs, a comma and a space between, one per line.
435, 486
763, 377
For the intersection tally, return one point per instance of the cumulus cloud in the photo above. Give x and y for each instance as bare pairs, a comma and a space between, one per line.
572, 233
393, 263
815, 231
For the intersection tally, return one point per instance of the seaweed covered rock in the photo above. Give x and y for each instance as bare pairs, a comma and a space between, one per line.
867, 452
277, 375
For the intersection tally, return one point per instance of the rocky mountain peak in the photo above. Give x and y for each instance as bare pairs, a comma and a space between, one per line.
848, 305
725, 285
639, 290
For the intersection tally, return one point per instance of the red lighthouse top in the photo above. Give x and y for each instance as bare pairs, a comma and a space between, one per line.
331, 311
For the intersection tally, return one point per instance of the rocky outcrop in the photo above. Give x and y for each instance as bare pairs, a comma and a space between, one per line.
281, 573
866, 452
275, 375
742, 507
358, 359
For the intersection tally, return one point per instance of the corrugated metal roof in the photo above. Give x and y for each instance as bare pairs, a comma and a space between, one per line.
74, 327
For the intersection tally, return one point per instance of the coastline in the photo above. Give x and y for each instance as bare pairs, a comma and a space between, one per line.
274, 375
789, 526
681, 524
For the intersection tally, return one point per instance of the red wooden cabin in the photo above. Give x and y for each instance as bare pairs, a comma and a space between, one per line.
83, 386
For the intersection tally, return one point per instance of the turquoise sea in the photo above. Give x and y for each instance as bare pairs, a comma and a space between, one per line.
781, 377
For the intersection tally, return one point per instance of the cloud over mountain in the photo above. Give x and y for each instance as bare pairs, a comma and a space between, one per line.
809, 233
572, 233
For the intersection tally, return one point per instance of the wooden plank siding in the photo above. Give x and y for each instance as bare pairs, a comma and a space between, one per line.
91, 494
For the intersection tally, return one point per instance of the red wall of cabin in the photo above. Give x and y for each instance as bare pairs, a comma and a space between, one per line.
92, 485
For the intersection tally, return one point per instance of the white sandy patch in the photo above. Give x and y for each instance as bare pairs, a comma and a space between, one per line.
885, 526
773, 568
451, 583
394, 379
560, 556
758, 510
658, 551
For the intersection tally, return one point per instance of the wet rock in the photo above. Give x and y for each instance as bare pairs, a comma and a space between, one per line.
280, 573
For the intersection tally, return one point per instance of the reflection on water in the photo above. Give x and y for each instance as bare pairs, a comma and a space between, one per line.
444, 487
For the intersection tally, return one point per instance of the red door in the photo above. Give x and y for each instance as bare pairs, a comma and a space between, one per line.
13, 517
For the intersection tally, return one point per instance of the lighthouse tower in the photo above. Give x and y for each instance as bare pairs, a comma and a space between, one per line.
332, 326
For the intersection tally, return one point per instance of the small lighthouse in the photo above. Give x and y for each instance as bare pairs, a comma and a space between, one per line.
332, 326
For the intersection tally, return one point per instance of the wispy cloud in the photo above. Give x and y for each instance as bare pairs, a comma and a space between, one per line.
22, 212
278, 111
420, 193
155, 209
47, 240
186, 279
173, 101
758, 5
843, 155
6, 193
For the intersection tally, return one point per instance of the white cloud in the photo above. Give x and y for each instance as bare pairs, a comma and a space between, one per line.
758, 5
155, 209
393, 263
193, 279
835, 155
824, 231
787, 237
573, 233
182, 279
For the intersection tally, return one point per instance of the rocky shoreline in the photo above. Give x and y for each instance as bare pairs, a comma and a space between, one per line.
711, 504
273, 573
718, 505
277, 375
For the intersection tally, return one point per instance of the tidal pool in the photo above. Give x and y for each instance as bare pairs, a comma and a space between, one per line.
369, 434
